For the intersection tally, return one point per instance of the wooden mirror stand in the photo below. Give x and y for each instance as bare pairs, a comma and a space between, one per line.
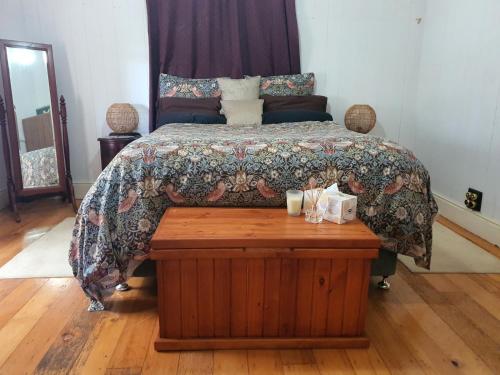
33, 125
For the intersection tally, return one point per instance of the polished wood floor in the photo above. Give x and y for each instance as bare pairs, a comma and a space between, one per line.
426, 324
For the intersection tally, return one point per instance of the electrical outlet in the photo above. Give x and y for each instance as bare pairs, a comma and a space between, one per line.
473, 199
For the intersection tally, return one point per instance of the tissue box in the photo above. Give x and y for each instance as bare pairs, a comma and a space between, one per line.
341, 207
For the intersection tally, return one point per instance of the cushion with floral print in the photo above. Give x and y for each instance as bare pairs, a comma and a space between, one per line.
173, 86
288, 85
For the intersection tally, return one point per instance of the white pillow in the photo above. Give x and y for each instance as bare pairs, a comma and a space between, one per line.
239, 89
243, 112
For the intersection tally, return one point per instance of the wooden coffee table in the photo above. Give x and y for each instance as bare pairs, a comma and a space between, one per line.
242, 278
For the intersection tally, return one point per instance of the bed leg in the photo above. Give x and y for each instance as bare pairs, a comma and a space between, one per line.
123, 287
384, 283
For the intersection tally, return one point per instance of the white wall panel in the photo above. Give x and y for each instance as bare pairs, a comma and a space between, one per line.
457, 100
435, 85
101, 57
362, 52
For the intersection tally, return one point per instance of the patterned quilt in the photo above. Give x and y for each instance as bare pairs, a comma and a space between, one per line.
39, 168
221, 165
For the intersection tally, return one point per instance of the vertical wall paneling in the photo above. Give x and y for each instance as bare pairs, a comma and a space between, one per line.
457, 99
101, 57
435, 84
362, 52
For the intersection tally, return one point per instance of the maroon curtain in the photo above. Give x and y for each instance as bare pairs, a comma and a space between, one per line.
217, 38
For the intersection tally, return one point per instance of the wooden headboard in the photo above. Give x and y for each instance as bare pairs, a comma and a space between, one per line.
38, 132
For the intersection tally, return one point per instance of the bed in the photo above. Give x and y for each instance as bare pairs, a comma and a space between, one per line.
245, 166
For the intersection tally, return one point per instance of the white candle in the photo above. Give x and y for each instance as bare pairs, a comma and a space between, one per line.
294, 202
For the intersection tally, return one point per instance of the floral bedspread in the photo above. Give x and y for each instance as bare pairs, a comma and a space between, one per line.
221, 165
39, 168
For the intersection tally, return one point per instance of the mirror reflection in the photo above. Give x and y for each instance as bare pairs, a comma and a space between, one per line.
33, 114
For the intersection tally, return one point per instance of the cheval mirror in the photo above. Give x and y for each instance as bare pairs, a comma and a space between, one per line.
33, 125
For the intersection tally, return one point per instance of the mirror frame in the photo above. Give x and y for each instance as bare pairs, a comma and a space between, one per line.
12, 130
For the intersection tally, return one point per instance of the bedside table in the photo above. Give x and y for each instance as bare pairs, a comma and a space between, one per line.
112, 144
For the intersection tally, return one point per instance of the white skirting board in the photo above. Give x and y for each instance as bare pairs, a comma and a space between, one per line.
81, 189
470, 220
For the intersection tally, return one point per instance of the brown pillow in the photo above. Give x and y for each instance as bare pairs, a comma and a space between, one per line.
205, 106
294, 103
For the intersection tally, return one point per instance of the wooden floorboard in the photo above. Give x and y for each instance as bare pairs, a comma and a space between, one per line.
65, 349
447, 306
397, 354
8, 286
18, 297
426, 324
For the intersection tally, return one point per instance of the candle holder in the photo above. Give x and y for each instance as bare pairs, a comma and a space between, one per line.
294, 202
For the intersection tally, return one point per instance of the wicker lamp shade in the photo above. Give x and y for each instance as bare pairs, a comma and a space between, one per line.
360, 118
122, 117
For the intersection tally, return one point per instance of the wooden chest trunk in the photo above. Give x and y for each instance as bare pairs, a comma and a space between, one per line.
257, 278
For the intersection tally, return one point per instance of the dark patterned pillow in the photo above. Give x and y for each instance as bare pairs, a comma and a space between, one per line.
206, 106
188, 118
288, 85
172, 86
279, 117
294, 103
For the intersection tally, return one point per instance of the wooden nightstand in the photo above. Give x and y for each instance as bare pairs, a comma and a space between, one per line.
112, 144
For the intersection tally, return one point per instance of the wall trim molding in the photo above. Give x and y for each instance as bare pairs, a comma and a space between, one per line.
476, 223
81, 189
